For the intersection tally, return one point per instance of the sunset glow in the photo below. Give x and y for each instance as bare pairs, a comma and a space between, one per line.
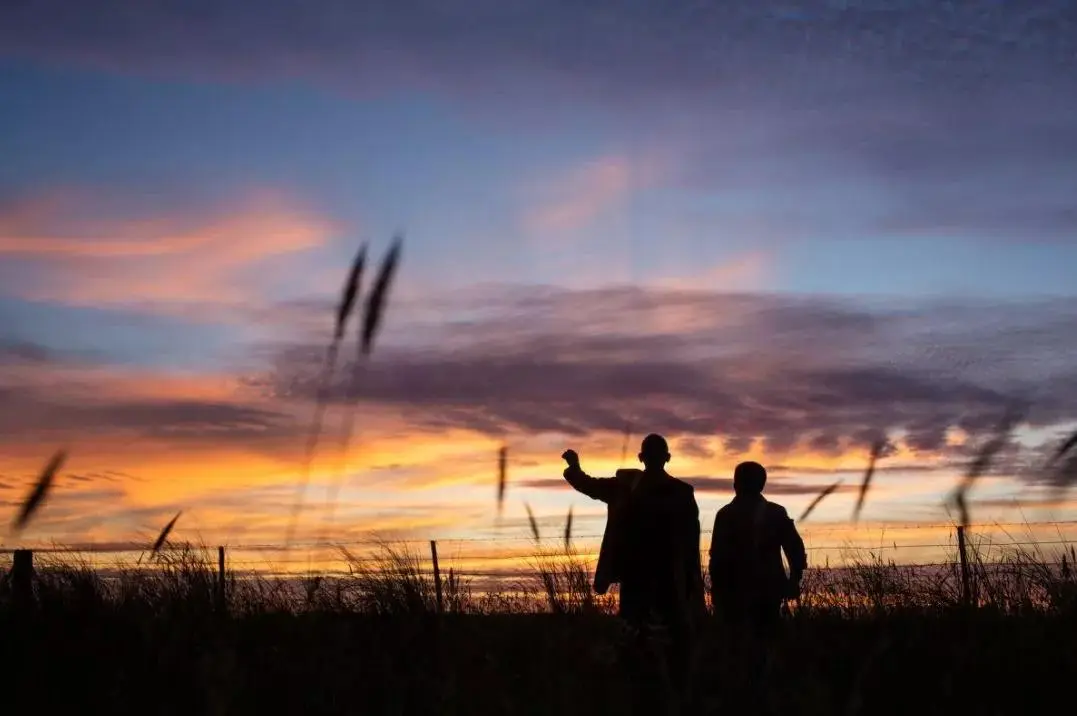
781, 266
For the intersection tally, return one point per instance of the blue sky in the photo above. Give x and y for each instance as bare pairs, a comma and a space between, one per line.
177, 209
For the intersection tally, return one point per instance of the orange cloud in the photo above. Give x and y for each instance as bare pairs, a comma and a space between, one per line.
143, 450
168, 259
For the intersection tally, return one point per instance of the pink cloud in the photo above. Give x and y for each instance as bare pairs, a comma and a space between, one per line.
749, 271
576, 197
59, 248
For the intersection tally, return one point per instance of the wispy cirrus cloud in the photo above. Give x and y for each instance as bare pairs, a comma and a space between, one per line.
582, 194
749, 271
60, 246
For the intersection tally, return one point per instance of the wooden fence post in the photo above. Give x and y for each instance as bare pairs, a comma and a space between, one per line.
437, 574
22, 577
221, 603
966, 584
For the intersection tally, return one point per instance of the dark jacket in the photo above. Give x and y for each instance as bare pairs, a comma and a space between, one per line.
651, 541
749, 537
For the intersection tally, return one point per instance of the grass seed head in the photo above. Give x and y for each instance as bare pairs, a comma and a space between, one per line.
1065, 447
379, 295
568, 531
40, 491
876, 450
826, 491
350, 293
534, 524
502, 470
163, 537
983, 461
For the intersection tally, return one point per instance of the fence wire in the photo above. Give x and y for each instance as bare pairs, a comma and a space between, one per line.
506, 555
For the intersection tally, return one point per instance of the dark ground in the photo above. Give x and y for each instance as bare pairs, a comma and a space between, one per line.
108, 660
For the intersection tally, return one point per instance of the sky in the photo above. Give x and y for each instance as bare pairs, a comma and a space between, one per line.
771, 231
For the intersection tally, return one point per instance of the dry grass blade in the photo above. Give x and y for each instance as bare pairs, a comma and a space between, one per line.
865, 484
982, 462
324, 380
347, 302
1063, 450
41, 490
827, 491
374, 309
962, 507
624, 444
379, 295
534, 524
350, 293
163, 537
1071, 442
1065, 474
568, 531
502, 469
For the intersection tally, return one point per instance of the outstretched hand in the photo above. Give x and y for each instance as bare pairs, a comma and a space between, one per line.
571, 458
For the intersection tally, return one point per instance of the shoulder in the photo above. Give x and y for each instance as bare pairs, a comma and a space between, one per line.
775, 508
681, 486
683, 494
776, 511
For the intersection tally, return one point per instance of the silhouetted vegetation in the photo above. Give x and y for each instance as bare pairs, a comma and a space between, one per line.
874, 637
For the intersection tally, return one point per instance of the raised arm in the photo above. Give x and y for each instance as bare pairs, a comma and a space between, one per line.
597, 488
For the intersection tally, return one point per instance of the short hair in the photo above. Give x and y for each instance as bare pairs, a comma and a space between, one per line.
654, 444
749, 478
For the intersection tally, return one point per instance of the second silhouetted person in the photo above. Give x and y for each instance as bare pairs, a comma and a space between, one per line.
748, 580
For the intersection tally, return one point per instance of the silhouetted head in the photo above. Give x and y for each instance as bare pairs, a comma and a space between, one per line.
654, 452
749, 478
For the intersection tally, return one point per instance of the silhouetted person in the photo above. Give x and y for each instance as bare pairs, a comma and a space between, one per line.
748, 580
651, 548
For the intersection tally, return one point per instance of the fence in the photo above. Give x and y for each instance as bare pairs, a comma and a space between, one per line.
493, 562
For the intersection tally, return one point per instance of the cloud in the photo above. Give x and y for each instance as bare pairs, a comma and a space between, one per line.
60, 247
803, 383
746, 272
575, 199
56, 403
715, 485
12, 351
923, 120
790, 371
657, 48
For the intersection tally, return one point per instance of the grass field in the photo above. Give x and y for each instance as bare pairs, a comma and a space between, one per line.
871, 638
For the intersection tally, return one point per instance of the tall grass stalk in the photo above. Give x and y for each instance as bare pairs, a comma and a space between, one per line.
349, 294
373, 316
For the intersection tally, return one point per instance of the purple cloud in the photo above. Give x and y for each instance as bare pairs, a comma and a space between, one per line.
785, 370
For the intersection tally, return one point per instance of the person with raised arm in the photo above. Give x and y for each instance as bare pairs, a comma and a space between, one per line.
650, 547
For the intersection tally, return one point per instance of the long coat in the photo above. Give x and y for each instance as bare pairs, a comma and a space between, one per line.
651, 541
